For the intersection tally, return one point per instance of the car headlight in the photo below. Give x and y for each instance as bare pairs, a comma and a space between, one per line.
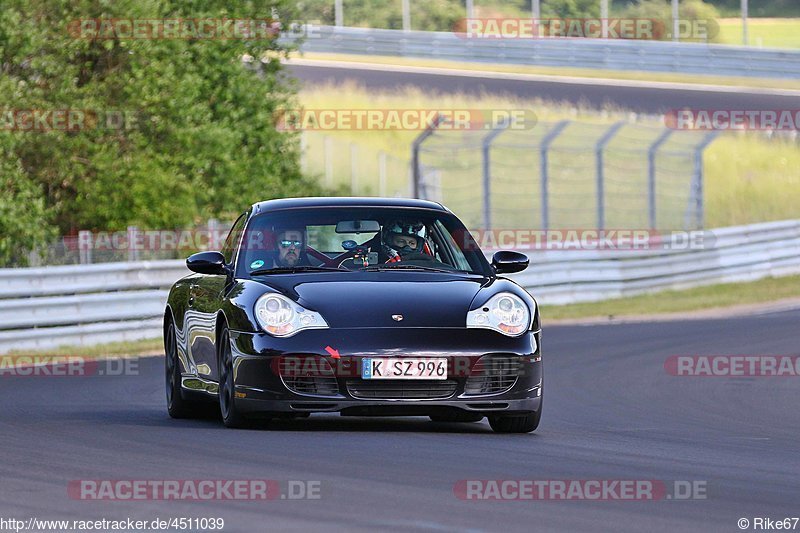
281, 317
504, 312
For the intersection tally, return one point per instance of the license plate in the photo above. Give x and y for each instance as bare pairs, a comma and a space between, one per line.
403, 368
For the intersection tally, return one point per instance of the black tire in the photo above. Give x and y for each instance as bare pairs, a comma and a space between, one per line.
177, 405
231, 416
463, 416
516, 423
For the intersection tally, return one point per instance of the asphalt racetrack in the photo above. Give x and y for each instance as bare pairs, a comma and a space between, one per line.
644, 98
611, 412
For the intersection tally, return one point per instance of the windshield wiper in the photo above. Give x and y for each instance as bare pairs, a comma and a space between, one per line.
397, 266
298, 268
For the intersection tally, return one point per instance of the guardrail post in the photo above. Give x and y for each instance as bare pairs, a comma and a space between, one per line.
651, 175
547, 140
415, 147
85, 246
382, 173
696, 203
601, 145
487, 172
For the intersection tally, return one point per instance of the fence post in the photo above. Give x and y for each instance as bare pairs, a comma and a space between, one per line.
382, 173
487, 171
406, 15
338, 10
651, 175
303, 152
415, 147
547, 140
353, 169
214, 239
85, 246
327, 155
601, 145
133, 250
696, 196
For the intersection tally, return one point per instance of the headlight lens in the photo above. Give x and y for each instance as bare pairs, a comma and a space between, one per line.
281, 317
504, 312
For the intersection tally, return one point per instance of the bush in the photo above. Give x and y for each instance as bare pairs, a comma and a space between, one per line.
203, 143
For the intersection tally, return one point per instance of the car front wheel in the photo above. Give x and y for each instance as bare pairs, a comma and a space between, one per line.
177, 405
231, 416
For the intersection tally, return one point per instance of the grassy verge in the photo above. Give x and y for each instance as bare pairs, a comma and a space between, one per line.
563, 71
116, 349
701, 298
767, 32
748, 178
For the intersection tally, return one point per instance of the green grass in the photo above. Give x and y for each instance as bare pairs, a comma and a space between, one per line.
710, 297
116, 349
767, 33
748, 178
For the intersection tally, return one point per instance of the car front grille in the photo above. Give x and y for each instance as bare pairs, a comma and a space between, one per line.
309, 375
492, 375
393, 389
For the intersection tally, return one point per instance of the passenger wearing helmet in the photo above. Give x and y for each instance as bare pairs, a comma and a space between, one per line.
404, 240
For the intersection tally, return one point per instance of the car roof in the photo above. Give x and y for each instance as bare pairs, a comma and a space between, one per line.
345, 201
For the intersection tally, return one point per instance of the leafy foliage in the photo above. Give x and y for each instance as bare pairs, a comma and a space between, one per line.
199, 139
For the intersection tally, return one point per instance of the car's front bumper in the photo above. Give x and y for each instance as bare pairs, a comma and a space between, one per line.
260, 387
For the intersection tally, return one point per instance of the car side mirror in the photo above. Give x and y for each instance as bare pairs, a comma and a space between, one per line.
508, 262
207, 263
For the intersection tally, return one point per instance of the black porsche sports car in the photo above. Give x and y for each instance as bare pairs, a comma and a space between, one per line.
362, 306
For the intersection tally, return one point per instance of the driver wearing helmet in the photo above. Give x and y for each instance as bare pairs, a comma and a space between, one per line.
403, 239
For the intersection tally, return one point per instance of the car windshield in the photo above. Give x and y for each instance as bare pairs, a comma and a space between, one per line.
368, 239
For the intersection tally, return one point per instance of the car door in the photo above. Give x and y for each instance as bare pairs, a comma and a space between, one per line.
205, 299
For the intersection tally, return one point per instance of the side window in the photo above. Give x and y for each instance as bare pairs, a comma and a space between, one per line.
232, 240
452, 246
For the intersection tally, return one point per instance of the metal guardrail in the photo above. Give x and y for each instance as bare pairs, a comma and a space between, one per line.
44, 308
652, 56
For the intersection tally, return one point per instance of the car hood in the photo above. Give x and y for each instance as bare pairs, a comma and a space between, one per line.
370, 301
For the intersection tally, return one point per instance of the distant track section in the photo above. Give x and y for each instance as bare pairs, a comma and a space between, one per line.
638, 96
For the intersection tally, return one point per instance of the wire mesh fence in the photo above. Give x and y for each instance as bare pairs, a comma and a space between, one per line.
348, 168
560, 175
